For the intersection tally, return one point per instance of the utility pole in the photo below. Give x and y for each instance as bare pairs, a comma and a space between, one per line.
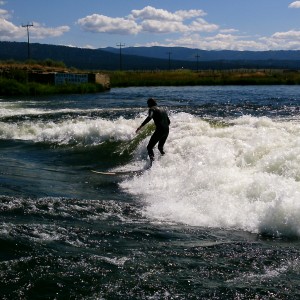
169, 53
28, 46
120, 45
197, 56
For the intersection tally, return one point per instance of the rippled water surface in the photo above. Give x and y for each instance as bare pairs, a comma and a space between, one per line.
217, 217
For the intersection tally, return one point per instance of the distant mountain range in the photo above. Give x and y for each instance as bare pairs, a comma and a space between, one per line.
150, 58
188, 54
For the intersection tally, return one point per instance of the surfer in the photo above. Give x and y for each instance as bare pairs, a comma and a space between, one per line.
162, 122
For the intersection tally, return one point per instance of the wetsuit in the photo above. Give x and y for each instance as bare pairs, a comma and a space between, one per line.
162, 122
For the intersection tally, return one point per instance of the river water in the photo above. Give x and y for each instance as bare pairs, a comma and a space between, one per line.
217, 217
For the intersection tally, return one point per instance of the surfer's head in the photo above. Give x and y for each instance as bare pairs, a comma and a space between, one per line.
151, 102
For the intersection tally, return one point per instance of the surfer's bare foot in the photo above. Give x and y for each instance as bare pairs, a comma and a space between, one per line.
151, 160
162, 152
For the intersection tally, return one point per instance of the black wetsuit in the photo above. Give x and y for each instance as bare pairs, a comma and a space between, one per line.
162, 122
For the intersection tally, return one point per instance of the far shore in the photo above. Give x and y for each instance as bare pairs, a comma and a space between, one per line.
15, 81
204, 77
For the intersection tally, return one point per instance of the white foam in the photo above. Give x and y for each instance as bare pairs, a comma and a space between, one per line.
245, 176
10, 109
16, 108
83, 130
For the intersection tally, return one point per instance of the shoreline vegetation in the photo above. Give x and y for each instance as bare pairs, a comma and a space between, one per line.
14, 78
11, 87
204, 77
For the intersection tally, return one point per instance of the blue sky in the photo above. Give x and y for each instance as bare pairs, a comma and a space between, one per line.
204, 24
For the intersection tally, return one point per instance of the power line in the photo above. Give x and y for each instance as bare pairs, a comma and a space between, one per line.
28, 44
169, 53
197, 56
120, 45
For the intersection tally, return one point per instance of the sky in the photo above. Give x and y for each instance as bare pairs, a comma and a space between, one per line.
255, 25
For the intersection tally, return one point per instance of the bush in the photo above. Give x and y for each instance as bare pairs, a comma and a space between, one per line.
12, 87
208, 77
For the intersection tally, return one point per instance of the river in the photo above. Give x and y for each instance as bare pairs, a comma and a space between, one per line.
217, 217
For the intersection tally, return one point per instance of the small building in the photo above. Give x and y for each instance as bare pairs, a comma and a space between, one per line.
70, 78
100, 79
57, 78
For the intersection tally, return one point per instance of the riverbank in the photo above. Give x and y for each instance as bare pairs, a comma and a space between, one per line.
12, 87
14, 78
210, 77
48, 78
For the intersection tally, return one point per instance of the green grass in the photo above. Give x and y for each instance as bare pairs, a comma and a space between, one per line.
210, 77
15, 82
13, 87
14, 79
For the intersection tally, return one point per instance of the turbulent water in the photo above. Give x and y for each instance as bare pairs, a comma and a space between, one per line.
217, 217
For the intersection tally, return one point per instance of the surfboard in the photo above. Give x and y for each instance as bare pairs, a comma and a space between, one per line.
119, 173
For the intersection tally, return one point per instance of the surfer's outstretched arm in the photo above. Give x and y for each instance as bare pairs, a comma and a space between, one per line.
140, 127
147, 120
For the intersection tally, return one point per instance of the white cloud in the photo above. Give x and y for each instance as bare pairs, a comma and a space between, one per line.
230, 30
40, 32
151, 13
8, 30
82, 47
289, 35
186, 27
104, 24
295, 4
88, 47
201, 25
189, 28
155, 26
4, 14
189, 14
148, 19
289, 40
229, 42
232, 42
